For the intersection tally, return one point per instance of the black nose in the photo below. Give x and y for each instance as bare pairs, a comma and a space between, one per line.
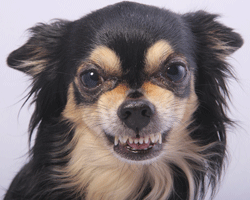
136, 114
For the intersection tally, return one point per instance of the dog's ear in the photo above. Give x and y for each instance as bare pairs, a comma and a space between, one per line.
210, 34
43, 57
41, 51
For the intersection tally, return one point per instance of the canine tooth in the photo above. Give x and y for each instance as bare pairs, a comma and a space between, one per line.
146, 139
152, 138
124, 139
116, 140
130, 140
136, 141
160, 138
120, 139
157, 137
141, 140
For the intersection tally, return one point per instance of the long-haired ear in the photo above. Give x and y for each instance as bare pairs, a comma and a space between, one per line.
213, 43
42, 58
40, 50
209, 33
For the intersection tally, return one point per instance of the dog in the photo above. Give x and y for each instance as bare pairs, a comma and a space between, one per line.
130, 104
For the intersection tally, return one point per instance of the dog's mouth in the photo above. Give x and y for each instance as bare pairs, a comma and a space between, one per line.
139, 148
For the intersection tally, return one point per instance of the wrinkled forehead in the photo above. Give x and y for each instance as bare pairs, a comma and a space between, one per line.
134, 55
115, 63
132, 41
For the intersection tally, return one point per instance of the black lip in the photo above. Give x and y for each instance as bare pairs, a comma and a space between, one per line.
139, 155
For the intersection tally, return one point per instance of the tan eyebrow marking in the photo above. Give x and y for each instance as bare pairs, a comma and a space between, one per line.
156, 54
107, 59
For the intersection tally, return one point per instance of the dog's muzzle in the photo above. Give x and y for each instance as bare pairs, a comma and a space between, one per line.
136, 115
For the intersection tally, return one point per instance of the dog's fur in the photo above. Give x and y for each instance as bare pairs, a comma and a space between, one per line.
171, 64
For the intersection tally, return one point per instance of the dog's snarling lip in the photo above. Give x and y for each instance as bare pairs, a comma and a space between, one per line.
137, 149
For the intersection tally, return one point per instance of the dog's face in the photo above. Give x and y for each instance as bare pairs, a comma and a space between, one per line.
142, 89
133, 96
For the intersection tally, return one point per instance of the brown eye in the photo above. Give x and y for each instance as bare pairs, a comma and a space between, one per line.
91, 79
176, 72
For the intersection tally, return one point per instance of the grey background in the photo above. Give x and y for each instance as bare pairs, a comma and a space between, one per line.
17, 16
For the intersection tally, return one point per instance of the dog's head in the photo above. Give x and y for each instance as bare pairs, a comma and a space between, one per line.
139, 86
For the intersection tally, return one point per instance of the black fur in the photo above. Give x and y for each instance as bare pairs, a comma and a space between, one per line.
131, 28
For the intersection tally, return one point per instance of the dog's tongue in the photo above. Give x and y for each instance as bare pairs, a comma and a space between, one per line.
139, 146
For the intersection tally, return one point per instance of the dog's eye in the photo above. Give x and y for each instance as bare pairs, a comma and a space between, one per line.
176, 72
91, 79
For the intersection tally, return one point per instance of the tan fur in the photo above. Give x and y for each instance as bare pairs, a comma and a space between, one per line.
107, 59
191, 104
223, 49
37, 66
71, 111
36, 63
97, 170
108, 105
170, 108
92, 162
113, 97
156, 54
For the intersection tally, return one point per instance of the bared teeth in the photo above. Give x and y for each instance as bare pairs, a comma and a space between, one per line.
125, 139
116, 140
153, 138
160, 138
157, 137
